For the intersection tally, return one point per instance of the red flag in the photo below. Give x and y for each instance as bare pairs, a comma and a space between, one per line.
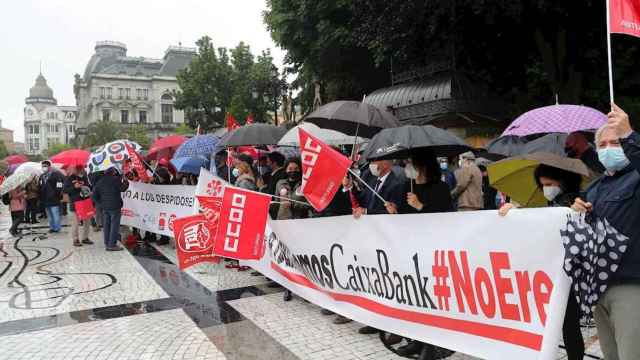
323, 169
136, 162
210, 207
243, 219
194, 241
231, 122
625, 17
249, 119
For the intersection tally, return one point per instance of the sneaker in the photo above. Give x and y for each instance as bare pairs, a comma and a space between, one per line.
115, 248
87, 241
77, 243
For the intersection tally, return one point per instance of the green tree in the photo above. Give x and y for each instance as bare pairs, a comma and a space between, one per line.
102, 132
56, 149
137, 133
525, 51
206, 86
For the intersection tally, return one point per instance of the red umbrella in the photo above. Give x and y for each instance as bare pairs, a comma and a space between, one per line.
165, 147
16, 159
71, 158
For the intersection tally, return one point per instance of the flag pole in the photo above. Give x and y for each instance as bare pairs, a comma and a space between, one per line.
609, 50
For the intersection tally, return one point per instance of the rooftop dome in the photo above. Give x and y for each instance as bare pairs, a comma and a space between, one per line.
41, 92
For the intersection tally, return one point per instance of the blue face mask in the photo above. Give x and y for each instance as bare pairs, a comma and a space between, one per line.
613, 158
235, 172
444, 166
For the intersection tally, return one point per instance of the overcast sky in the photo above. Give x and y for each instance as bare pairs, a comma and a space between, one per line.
63, 33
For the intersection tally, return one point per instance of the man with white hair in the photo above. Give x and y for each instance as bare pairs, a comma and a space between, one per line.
616, 197
468, 190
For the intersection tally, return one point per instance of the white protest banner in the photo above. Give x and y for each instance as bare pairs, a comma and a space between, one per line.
472, 282
154, 207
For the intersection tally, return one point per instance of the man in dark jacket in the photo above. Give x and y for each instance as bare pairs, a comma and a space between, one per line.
616, 197
107, 193
387, 183
77, 187
275, 161
51, 185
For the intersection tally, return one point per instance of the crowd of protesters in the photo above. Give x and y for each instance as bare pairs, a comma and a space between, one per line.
423, 183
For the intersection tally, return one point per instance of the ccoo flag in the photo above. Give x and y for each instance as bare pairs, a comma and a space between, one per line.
241, 224
323, 169
625, 17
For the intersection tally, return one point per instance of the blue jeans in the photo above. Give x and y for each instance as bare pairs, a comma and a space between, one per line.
111, 227
53, 215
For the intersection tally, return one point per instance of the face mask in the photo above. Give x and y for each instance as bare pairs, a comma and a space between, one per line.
551, 192
235, 172
356, 171
374, 169
444, 166
410, 172
45, 168
460, 163
613, 158
293, 175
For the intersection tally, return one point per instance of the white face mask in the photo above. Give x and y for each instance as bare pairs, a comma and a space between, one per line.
374, 169
235, 172
410, 172
551, 192
460, 162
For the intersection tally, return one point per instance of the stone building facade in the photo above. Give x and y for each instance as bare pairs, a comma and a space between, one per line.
45, 122
130, 90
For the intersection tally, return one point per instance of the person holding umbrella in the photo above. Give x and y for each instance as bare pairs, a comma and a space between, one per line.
616, 197
561, 187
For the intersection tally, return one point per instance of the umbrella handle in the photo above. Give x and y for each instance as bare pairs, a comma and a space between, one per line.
367, 186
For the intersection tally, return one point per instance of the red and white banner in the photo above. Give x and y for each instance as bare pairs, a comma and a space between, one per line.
243, 219
493, 288
154, 207
625, 17
323, 169
138, 165
208, 185
195, 237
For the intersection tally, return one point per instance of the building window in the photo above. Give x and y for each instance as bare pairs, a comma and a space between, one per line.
52, 141
120, 93
56, 129
145, 93
106, 115
109, 92
102, 93
167, 113
127, 93
71, 129
124, 116
34, 144
34, 129
142, 117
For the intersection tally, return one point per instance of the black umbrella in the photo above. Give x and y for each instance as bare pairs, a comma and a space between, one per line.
352, 118
550, 143
396, 143
254, 134
506, 146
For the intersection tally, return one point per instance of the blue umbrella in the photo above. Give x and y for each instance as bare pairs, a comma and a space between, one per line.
199, 145
190, 165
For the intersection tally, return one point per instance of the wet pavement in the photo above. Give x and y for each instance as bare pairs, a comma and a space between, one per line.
58, 301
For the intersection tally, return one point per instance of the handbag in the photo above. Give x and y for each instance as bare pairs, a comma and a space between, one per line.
84, 209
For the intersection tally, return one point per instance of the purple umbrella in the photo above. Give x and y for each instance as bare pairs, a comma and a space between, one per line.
556, 119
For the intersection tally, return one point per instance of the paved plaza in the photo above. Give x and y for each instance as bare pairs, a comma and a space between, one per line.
62, 302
